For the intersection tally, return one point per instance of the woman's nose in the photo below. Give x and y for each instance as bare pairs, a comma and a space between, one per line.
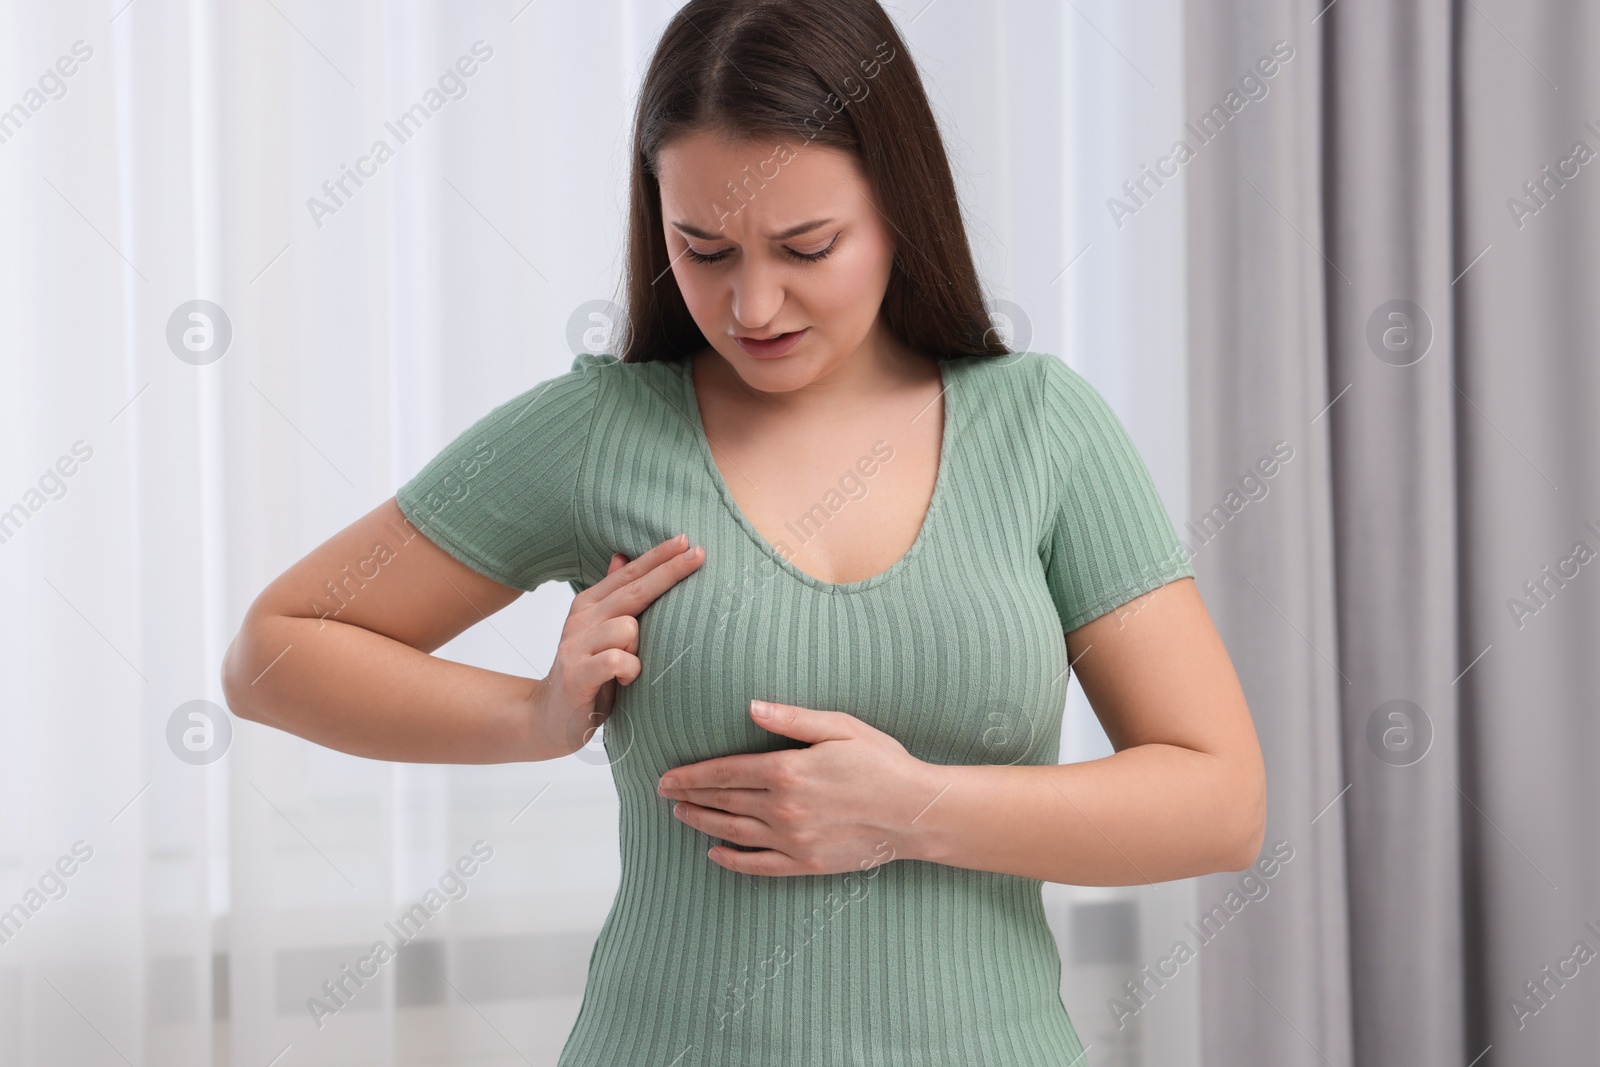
758, 296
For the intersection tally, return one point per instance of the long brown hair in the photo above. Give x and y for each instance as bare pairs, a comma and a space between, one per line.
797, 72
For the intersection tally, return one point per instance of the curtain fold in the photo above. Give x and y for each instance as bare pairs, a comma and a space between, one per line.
1374, 282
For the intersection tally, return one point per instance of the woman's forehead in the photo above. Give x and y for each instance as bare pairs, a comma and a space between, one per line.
774, 185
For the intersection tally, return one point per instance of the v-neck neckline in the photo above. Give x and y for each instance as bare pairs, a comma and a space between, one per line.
947, 376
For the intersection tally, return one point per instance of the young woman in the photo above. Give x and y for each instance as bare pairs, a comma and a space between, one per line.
815, 478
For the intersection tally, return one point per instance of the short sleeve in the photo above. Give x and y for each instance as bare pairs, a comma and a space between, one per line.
1111, 538
500, 497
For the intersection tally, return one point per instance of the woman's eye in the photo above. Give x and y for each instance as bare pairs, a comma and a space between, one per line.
699, 257
716, 257
812, 257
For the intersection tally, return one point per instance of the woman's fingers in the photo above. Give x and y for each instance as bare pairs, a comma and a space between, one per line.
619, 631
631, 569
608, 664
600, 640
630, 588
599, 647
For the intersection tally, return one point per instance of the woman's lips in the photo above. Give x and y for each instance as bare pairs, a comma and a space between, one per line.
772, 349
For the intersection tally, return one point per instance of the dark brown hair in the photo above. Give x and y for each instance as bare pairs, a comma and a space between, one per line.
798, 72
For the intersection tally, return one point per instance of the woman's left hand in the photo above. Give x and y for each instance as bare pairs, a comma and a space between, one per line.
846, 803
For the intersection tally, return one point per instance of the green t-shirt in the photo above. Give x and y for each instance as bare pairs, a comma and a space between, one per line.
1043, 518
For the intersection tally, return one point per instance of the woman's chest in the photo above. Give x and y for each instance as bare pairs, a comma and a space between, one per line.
842, 504
955, 648
956, 652
842, 516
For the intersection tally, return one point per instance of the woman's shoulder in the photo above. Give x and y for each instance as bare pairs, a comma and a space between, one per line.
608, 366
1055, 408
1009, 381
627, 397
1006, 368
1040, 380
559, 404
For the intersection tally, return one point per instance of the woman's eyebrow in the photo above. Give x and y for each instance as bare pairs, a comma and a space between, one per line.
792, 231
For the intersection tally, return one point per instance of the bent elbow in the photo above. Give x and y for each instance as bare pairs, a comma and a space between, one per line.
235, 689
1246, 858
1253, 833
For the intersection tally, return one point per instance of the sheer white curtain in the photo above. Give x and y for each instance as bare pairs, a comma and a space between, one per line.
184, 888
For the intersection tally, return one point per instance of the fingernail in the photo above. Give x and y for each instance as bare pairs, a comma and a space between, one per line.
667, 783
761, 708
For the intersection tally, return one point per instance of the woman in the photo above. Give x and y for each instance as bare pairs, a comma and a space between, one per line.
902, 533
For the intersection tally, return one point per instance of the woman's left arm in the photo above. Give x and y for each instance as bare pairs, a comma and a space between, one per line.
1184, 794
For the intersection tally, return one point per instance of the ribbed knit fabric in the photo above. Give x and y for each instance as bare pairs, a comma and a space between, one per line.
1043, 517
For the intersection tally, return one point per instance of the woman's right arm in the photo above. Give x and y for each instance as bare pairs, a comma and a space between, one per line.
360, 678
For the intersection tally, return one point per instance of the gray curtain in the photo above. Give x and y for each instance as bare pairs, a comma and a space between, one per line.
1393, 260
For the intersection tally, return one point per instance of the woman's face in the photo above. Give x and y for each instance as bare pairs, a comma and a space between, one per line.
758, 210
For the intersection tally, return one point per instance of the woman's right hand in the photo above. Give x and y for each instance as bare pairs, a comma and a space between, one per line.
599, 644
